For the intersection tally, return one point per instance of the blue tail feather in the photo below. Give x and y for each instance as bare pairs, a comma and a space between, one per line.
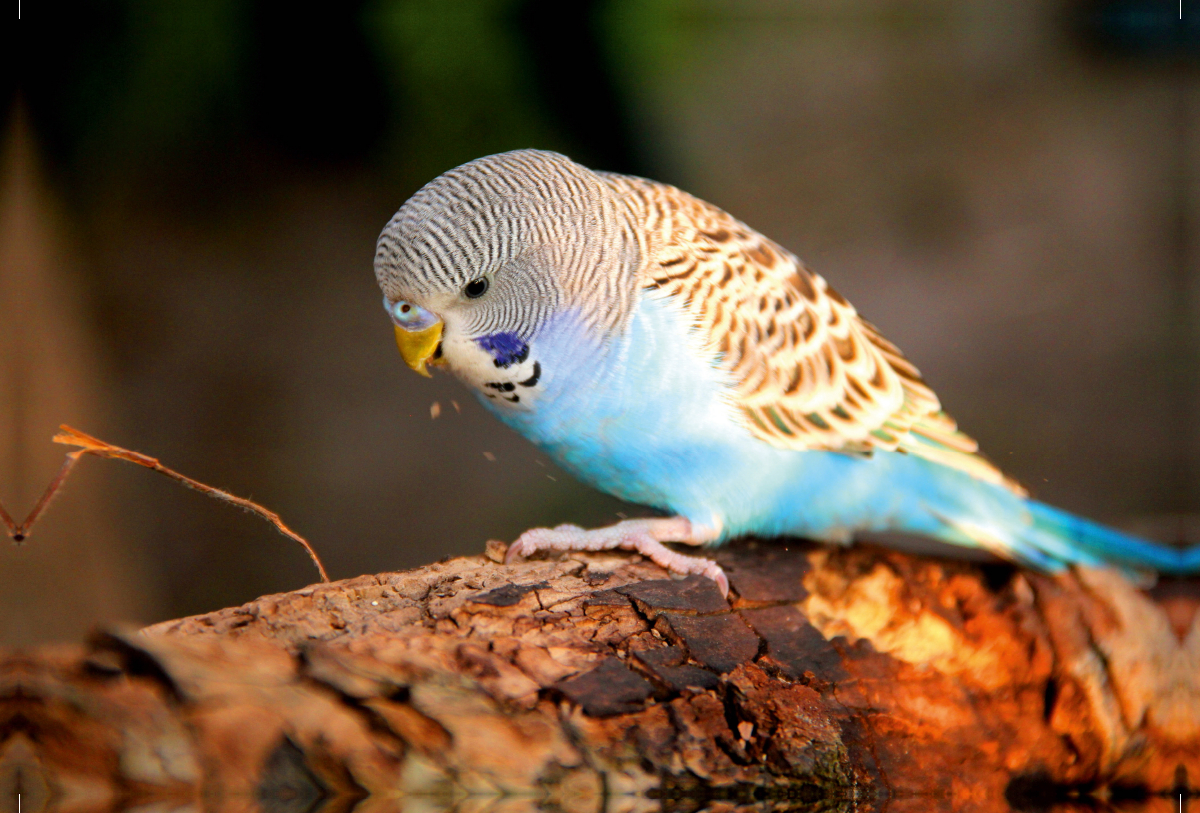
1074, 540
1191, 560
900, 492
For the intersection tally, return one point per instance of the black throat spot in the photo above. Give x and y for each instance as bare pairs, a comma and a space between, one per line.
505, 389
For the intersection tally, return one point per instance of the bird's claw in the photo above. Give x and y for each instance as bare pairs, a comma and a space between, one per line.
643, 536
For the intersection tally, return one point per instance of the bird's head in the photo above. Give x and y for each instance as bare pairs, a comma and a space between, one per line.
482, 258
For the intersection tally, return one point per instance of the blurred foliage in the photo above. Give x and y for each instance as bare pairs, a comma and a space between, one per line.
411, 87
118, 80
414, 87
460, 78
167, 77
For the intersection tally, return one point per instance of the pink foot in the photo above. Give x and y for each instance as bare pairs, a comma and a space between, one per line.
646, 536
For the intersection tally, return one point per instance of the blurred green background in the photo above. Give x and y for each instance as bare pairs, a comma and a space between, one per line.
191, 191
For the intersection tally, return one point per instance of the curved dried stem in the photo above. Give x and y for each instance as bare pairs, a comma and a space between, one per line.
20, 532
89, 445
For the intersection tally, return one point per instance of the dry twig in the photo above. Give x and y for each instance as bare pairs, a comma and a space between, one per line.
90, 445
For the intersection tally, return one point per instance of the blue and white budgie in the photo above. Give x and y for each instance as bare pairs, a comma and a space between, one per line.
668, 354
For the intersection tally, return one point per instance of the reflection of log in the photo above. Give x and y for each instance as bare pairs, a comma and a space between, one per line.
594, 683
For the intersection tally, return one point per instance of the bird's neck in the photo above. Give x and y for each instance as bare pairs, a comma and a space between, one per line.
650, 378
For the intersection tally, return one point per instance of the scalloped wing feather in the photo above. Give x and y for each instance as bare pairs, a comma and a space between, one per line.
809, 373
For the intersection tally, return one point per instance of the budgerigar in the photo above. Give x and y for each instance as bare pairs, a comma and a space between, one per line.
670, 355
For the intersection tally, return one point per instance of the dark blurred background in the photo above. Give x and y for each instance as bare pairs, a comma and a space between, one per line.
190, 194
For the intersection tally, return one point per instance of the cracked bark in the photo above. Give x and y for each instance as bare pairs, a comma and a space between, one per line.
859, 678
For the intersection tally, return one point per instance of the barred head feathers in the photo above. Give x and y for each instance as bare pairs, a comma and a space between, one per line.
543, 232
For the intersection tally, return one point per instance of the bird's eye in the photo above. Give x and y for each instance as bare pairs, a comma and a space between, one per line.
404, 313
476, 288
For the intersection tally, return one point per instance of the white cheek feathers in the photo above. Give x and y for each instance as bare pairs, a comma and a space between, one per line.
500, 368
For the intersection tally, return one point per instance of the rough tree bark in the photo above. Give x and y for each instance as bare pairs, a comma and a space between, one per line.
832, 679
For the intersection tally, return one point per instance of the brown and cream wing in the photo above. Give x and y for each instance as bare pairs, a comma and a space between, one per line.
809, 372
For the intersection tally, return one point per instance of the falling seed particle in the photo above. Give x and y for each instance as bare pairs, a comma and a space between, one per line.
540, 463
435, 409
548, 477
490, 456
455, 405
622, 515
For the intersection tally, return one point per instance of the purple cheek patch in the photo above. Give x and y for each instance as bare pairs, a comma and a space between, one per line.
505, 348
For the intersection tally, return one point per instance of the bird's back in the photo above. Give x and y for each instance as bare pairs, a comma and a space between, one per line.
808, 373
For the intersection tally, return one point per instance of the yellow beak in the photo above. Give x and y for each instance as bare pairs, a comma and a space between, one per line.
418, 346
